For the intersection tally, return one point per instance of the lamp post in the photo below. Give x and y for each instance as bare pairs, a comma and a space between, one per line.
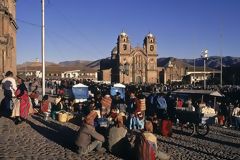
204, 55
170, 65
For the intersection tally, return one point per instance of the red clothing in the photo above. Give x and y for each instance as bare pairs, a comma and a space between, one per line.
45, 106
179, 103
24, 102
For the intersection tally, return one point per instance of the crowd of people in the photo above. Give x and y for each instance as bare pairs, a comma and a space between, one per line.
113, 122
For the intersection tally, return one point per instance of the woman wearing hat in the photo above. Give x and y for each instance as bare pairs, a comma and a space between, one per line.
22, 94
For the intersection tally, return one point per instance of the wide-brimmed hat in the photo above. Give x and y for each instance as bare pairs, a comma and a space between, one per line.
22, 77
57, 100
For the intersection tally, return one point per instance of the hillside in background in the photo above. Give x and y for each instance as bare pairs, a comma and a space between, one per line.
212, 62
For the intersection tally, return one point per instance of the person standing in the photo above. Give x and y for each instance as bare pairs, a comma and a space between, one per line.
9, 86
161, 105
236, 115
22, 94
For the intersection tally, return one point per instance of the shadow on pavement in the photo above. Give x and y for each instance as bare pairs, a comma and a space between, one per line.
192, 149
208, 139
55, 132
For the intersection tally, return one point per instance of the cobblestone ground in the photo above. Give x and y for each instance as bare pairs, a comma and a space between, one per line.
220, 143
39, 139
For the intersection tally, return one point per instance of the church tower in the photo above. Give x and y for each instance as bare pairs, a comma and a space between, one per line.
8, 30
120, 69
150, 47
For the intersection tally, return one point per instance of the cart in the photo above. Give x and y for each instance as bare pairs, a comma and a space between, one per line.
192, 123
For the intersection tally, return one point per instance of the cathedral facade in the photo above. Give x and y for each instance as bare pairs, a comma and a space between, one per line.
8, 28
133, 64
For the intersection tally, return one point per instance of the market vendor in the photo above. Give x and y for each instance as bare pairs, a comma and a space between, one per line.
88, 139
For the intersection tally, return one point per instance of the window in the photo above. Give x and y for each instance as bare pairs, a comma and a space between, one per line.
151, 48
124, 47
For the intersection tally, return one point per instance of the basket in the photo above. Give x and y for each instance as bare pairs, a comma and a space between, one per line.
69, 116
62, 117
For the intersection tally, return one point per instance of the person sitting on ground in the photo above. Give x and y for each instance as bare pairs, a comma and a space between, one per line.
152, 140
34, 98
117, 141
57, 105
46, 104
88, 139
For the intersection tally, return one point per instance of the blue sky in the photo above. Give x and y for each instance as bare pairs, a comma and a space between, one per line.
88, 29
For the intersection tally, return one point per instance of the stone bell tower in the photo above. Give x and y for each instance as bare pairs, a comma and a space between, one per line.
150, 47
8, 28
123, 54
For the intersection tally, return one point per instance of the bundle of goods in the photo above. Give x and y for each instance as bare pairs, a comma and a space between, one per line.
62, 116
106, 101
208, 112
142, 104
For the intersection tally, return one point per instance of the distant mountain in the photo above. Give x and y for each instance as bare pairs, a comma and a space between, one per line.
212, 62
215, 61
34, 64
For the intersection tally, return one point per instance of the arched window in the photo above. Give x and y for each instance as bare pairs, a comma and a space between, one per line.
124, 47
151, 48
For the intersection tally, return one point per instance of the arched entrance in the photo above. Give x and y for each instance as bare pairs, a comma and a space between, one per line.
139, 79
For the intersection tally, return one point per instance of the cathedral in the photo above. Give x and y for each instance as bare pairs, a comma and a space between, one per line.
8, 28
131, 65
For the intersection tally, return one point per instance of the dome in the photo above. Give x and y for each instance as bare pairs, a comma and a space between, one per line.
123, 33
150, 35
114, 50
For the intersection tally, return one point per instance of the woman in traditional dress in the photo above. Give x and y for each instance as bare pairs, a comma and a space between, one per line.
22, 94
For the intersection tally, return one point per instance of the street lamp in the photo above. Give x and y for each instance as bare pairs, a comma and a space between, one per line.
170, 65
204, 55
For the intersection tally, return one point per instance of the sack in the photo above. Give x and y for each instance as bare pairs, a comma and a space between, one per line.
145, 150
141, 103
106, 102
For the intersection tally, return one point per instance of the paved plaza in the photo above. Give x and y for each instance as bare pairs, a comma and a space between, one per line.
40, 139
